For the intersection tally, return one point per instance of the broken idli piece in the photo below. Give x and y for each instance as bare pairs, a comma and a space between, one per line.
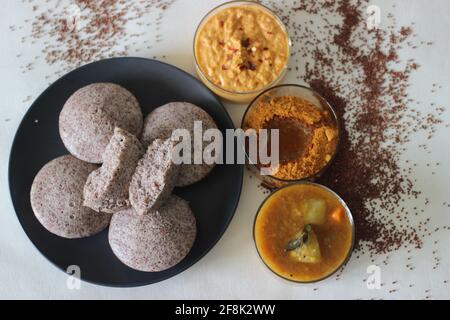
154, 242
106, 188
162, 121
57, 199
89, 117
154, 178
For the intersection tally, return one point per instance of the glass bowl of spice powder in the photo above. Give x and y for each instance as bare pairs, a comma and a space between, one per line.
241, 48
309, 134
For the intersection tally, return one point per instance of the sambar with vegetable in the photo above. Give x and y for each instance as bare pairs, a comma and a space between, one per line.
304, 232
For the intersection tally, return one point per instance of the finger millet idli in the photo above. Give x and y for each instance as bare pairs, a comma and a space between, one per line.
107, 187
89, 117
154, 178
162, 121
57, 199
154, 242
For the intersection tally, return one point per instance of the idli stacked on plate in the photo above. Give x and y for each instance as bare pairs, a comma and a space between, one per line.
151, 230
89, 117
154, 178
106, 188
57, 199
157, 241
162, 121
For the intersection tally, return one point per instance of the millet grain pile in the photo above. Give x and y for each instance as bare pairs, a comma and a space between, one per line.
360, 73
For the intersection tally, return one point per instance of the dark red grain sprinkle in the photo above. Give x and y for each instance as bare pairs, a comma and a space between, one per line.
70, 39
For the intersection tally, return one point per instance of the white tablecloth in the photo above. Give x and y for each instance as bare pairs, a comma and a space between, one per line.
232, 269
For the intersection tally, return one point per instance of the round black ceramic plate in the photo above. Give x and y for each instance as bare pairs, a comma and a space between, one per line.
37, 141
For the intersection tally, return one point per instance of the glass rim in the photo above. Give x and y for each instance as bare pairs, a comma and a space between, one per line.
335, 118
244, 2
348, 214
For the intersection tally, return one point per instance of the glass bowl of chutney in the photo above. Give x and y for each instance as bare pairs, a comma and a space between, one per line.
240, 49
304, 232
308, 134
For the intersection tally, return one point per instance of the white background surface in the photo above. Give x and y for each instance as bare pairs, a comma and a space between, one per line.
232, 269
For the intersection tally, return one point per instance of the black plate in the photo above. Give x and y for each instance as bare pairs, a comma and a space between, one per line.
37, 141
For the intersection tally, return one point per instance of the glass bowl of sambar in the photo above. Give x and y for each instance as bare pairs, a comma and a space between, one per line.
304, 232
